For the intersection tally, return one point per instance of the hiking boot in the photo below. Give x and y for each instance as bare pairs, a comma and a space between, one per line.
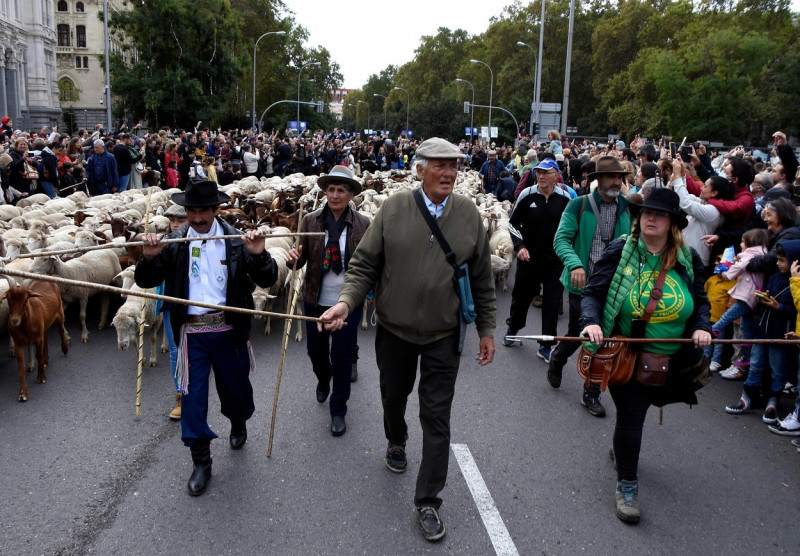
593, 405
789, 426
554, 374
396, 460
770, 415
627, 498
430, 523
544, 353
175, 414
509, 332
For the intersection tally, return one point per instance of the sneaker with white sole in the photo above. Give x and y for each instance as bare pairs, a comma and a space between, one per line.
770, 415
788, 426
714, 367
733, 373
790, 390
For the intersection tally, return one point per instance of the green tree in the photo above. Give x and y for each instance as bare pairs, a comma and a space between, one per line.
184, 60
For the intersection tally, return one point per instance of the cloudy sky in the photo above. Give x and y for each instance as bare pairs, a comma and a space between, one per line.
365, 36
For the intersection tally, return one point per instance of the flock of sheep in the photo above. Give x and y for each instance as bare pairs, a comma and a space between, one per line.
38, 223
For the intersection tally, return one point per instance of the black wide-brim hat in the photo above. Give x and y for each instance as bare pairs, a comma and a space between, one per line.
665, 200
200, 194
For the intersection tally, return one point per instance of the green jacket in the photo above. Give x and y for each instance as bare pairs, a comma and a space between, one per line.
415, 298
573, 241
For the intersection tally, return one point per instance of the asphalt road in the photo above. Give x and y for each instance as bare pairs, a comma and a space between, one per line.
80, 473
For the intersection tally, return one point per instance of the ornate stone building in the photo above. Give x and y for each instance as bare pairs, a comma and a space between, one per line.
28, 84
80, 52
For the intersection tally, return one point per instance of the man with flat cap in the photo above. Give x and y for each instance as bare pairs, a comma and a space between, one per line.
217, 272
418, 312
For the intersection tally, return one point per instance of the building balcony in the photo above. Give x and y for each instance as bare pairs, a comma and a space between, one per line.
64, 49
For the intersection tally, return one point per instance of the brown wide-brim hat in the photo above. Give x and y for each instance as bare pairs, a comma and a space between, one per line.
200, 194
340, 175
665, 200
607, 165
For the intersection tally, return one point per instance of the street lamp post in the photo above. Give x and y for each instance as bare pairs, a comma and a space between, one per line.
253, 112
533, 102
365, 102
298, 91
384, 108
408, 101
471, 109
537, 100
491, 88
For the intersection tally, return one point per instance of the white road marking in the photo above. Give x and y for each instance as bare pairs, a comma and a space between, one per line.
501, 540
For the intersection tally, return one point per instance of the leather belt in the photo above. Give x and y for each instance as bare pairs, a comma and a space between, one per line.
206, 318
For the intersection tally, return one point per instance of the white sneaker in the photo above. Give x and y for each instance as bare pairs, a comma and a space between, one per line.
733, 373
789, 426
714, 367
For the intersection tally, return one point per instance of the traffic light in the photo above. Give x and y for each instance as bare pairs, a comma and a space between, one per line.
534, 129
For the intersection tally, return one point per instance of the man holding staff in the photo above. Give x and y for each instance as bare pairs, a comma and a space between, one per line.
218, 272
418, 312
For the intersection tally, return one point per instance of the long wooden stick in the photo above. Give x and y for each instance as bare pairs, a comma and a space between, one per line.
148, 295
113, 245
143, 314
543, 338
292, 300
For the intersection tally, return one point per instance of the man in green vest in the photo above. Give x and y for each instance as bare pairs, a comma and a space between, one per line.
587, 226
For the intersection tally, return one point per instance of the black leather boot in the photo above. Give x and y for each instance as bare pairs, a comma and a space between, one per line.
238, 435
201, 457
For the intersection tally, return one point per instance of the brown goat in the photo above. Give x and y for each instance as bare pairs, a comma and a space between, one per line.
32, 311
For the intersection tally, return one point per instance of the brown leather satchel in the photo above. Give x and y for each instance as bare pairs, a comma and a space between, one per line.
612, 364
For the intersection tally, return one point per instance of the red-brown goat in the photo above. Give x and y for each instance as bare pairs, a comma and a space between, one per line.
32, 311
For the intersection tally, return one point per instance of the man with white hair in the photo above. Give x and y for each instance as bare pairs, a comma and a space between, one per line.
102, 175
400, 255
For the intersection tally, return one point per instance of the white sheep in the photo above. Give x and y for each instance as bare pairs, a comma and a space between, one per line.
129, 317
97, 267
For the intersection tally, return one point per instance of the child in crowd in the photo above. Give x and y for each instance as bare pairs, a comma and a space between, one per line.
227, 177
754, 243
173, 178
775, 316
790, 425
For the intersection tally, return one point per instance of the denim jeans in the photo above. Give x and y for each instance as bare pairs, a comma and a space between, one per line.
741, 310
173, 348
123, 183
49, 188
768, 357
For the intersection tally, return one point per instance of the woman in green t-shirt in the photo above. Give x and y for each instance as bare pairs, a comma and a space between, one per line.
617, 301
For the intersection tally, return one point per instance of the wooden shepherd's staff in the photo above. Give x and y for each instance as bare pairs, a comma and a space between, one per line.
543, 338
142, 326
113, 245
291, 301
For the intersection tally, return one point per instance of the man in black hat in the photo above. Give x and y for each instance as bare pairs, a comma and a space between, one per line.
217, 272
587, 226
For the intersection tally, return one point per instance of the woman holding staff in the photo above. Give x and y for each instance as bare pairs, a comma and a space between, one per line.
650, 264
331, 353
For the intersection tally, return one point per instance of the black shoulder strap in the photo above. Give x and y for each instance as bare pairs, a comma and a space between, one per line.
605, 237
448, 253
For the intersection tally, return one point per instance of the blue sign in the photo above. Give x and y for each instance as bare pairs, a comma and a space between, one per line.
407, 132
475, 131
293, 125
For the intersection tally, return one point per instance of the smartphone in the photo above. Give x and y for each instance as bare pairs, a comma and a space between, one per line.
762, 295
673, 149
686, 153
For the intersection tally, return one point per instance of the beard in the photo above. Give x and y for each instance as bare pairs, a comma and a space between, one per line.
613, 193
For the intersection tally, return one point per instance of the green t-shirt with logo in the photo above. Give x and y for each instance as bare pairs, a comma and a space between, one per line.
672, 311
